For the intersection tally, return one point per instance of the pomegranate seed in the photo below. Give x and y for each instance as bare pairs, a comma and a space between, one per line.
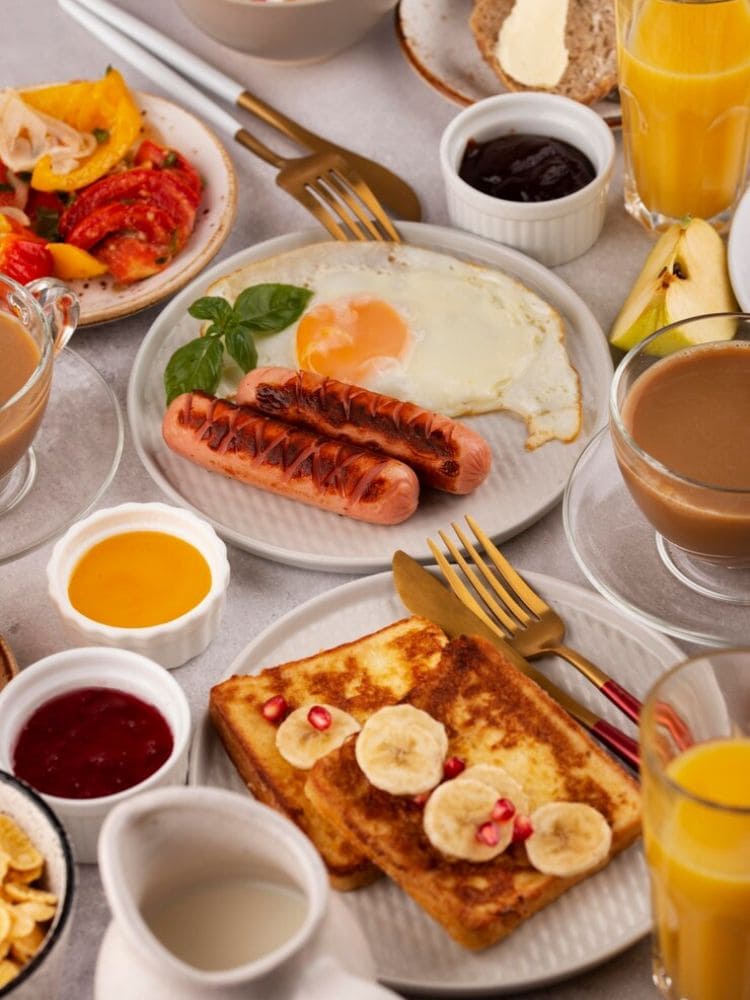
503, 811
487, 834
275, 708
453, 767
319, 718
522, 829
419, 800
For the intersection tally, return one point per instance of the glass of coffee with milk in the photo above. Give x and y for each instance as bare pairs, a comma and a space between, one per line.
680, 426
36, 321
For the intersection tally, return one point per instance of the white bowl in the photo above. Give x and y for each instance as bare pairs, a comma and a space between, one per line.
96, 667
41, 976
551, 231
295, 31
172, 643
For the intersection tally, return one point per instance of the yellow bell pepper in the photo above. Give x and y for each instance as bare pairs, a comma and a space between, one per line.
5, 226
71, 262
106, 105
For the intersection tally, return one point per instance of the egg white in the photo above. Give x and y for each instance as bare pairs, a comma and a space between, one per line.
480, 340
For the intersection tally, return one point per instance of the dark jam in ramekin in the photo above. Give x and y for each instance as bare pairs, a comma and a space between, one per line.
90, 742
518, 167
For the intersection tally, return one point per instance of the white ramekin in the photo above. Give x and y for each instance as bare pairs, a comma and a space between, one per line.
171, 643
95, 667
551, 231
40, 977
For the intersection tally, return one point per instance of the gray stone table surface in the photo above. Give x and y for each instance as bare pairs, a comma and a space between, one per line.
369, 98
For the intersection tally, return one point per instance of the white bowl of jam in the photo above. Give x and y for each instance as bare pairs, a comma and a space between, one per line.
142, 576
88, 728
530, 170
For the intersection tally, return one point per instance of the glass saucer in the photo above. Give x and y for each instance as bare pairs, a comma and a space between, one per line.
76, 451
616, 548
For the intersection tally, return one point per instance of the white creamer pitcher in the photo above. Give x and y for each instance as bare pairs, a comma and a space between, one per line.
165, 841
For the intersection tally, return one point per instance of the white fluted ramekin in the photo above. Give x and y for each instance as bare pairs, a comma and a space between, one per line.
551, 231
96, 666
171, 643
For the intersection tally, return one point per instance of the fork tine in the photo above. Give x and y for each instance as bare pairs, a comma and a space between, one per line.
500, 613
318, 189
511, 604
366, 196
321, 213
460, 589
347, 195
529, 597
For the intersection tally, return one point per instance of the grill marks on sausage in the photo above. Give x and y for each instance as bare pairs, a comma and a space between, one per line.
332, 466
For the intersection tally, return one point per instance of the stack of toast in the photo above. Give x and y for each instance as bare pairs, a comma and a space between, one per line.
492, 714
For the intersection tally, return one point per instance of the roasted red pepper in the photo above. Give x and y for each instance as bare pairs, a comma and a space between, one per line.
163, 158
24, 259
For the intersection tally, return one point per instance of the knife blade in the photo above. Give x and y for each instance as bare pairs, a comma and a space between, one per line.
424, 595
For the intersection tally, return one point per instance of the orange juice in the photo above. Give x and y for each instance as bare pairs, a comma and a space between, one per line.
699, 857
684, 76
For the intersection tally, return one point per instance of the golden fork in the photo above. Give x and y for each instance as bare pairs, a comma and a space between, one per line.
331, 189
520, 616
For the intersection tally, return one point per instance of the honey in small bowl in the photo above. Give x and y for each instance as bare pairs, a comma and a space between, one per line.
138, 579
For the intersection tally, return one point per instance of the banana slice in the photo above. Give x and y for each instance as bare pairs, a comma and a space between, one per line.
301, 743
505, 785
401, 750
569, 838
455, 814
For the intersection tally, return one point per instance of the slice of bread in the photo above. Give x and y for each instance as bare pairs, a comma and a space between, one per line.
590, 39
359, 677
493, 714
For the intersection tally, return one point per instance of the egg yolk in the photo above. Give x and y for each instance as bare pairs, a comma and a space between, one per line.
345, 339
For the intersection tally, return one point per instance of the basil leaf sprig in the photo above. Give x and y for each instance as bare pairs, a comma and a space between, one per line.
258, 311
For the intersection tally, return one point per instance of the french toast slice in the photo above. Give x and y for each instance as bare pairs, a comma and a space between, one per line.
493, 714
359, 677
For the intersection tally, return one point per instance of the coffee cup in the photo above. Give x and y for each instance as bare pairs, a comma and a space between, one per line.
36, 322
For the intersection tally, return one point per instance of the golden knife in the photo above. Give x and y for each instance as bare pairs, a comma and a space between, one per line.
423, 595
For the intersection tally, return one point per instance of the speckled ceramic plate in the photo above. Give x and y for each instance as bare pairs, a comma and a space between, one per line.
101, 299
583, 928
437, 41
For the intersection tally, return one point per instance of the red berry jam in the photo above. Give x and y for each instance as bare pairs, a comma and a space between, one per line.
91, 742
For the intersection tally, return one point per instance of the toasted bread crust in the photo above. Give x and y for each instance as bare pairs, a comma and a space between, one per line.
359, 677
493, 714
590, 39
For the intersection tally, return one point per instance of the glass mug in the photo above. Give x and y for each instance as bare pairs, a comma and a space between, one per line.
36, 322
695, 770
684, 80
702, 522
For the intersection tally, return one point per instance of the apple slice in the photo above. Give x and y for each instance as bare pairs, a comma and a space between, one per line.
684, 275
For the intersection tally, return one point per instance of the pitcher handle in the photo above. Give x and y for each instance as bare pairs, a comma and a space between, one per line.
60, 306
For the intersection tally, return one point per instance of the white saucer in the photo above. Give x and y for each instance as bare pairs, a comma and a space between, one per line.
76, 453
616, 548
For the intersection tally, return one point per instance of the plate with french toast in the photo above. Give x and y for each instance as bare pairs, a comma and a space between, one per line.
452, 46
481, 359
454, 915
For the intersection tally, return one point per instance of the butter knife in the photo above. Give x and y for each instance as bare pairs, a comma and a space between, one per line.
423, 595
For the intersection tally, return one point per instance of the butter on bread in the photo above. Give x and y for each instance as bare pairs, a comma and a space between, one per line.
496, 715
359, 677
590, 40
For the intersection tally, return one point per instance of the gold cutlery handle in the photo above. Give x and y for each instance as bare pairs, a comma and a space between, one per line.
249, 141
624, 700
280, 121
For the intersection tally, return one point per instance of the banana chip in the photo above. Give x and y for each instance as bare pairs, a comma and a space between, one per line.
25, 911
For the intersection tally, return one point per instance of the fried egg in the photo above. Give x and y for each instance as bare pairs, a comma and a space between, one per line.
451, 336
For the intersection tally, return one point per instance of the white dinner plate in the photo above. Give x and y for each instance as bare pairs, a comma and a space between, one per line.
102, 300
739, 259
521, 487
436, 39
589, 924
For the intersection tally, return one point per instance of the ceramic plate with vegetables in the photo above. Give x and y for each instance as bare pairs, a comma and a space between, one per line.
122, 194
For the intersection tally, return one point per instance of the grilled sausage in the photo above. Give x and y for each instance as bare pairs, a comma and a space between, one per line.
242, 444
444, 453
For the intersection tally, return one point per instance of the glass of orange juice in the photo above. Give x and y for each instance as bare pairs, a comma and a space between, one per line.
684, 79
695, 765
